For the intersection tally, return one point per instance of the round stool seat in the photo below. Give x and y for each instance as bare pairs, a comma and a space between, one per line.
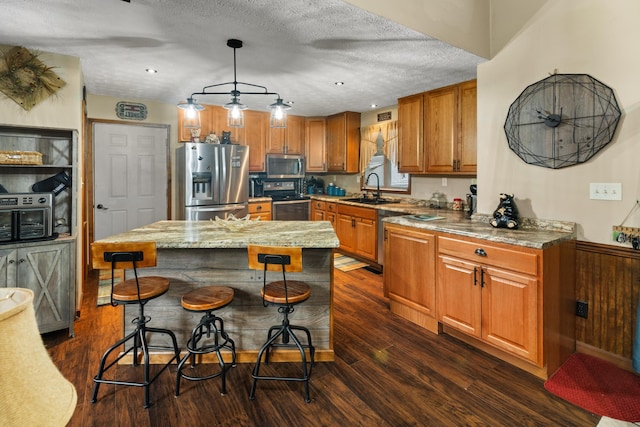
207, 298
150, 287
297, 292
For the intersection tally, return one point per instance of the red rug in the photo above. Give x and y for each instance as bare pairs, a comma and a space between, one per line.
597, 386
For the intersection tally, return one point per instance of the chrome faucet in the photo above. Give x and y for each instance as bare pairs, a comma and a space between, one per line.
377, 183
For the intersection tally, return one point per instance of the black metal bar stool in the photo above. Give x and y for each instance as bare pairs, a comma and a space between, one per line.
209, 335
138, 290
284, 294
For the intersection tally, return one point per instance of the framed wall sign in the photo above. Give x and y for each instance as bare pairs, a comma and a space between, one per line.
131, 111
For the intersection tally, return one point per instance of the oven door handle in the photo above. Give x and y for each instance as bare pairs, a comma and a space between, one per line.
290, 202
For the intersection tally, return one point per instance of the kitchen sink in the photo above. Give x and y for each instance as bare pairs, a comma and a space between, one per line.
373, 201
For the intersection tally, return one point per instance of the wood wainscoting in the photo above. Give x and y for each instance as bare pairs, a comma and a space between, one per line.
608, 279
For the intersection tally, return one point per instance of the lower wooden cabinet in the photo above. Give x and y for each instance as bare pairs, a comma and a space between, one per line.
410, 280
48, 269
493, 304
357, 229
514, 302
260, 210
323, 211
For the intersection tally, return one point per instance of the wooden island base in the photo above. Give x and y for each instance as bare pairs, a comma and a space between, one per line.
194, 254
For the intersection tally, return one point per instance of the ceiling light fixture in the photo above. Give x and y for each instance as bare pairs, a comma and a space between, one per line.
338, 83
235, 115
151, 71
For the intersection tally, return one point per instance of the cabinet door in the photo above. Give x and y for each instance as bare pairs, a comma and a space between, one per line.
256, 126
45, 270
410, 140
343, 142
440, 129
510, 312
276, 141
331, 217
295, 135
459, 295
467, 128
8, 258
336, 143
346, 231
367, 238
315, 144
410, 280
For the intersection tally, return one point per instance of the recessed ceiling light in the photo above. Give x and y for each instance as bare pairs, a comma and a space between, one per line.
290, 102
339, 83
373, 105
151, 71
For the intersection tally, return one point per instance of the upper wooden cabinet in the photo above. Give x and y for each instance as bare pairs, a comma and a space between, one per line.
411, 145
343, 142
212, 119
316, 144
289, 140
439, 136
254, 134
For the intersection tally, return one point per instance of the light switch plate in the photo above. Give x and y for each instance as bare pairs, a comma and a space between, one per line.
605, 191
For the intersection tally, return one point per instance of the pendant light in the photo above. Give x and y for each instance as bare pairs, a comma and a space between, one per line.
235, 114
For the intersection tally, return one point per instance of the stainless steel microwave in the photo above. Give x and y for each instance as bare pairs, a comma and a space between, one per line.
285, 166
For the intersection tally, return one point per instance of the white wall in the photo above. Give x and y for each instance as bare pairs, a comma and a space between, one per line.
596, 37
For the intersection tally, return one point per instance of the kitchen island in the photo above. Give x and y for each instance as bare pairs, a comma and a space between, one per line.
192, 254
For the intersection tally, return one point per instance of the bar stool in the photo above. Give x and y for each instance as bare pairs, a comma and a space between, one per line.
209, 335
138, 290
284, 294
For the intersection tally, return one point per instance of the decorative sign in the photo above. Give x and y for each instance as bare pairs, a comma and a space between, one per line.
131, 111
384, 116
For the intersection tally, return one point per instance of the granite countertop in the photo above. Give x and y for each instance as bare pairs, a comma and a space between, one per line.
232, 234
532, 233
259, 199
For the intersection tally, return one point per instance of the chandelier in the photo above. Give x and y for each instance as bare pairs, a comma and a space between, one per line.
235, 114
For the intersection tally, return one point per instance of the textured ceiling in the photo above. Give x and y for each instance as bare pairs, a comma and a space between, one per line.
297, 48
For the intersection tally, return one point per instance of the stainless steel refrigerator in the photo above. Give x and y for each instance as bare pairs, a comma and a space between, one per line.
213, 181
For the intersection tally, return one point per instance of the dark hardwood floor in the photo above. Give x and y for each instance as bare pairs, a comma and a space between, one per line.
387, 372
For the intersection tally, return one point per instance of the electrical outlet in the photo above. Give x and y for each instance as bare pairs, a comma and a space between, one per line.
582, 309
444, 182
605, 191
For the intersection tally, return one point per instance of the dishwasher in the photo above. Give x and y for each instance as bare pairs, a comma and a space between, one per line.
382, 214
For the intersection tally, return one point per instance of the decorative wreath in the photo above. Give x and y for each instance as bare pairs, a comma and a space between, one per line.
25, 79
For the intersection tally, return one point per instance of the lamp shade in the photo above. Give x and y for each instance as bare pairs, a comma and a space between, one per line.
32, 390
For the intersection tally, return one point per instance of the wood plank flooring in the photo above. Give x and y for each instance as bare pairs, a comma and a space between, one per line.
388, 372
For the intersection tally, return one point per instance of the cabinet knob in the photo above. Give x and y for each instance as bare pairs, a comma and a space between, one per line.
12, 261
258, 207
21, 260
480, 252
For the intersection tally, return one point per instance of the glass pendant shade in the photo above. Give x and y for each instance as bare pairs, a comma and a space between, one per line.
191, 118
235, 114
278, 117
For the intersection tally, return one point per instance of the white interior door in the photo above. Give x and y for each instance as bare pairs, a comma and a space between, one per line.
130, 177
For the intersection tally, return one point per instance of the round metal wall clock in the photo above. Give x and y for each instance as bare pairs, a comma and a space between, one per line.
562, 120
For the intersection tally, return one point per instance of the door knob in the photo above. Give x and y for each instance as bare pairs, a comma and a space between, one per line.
101, 206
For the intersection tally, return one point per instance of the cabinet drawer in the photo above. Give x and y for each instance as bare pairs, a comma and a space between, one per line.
332, 207
481, 252
259, 207
318, 204
365, 213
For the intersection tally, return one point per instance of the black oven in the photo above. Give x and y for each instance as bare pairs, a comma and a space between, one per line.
26, 216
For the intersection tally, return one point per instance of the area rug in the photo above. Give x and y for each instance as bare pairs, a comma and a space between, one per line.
598, 386
344, 263
104, 285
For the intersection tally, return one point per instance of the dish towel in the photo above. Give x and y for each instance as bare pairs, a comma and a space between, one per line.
636, 343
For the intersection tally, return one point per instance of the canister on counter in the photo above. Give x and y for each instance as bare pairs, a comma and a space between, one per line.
457, 204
